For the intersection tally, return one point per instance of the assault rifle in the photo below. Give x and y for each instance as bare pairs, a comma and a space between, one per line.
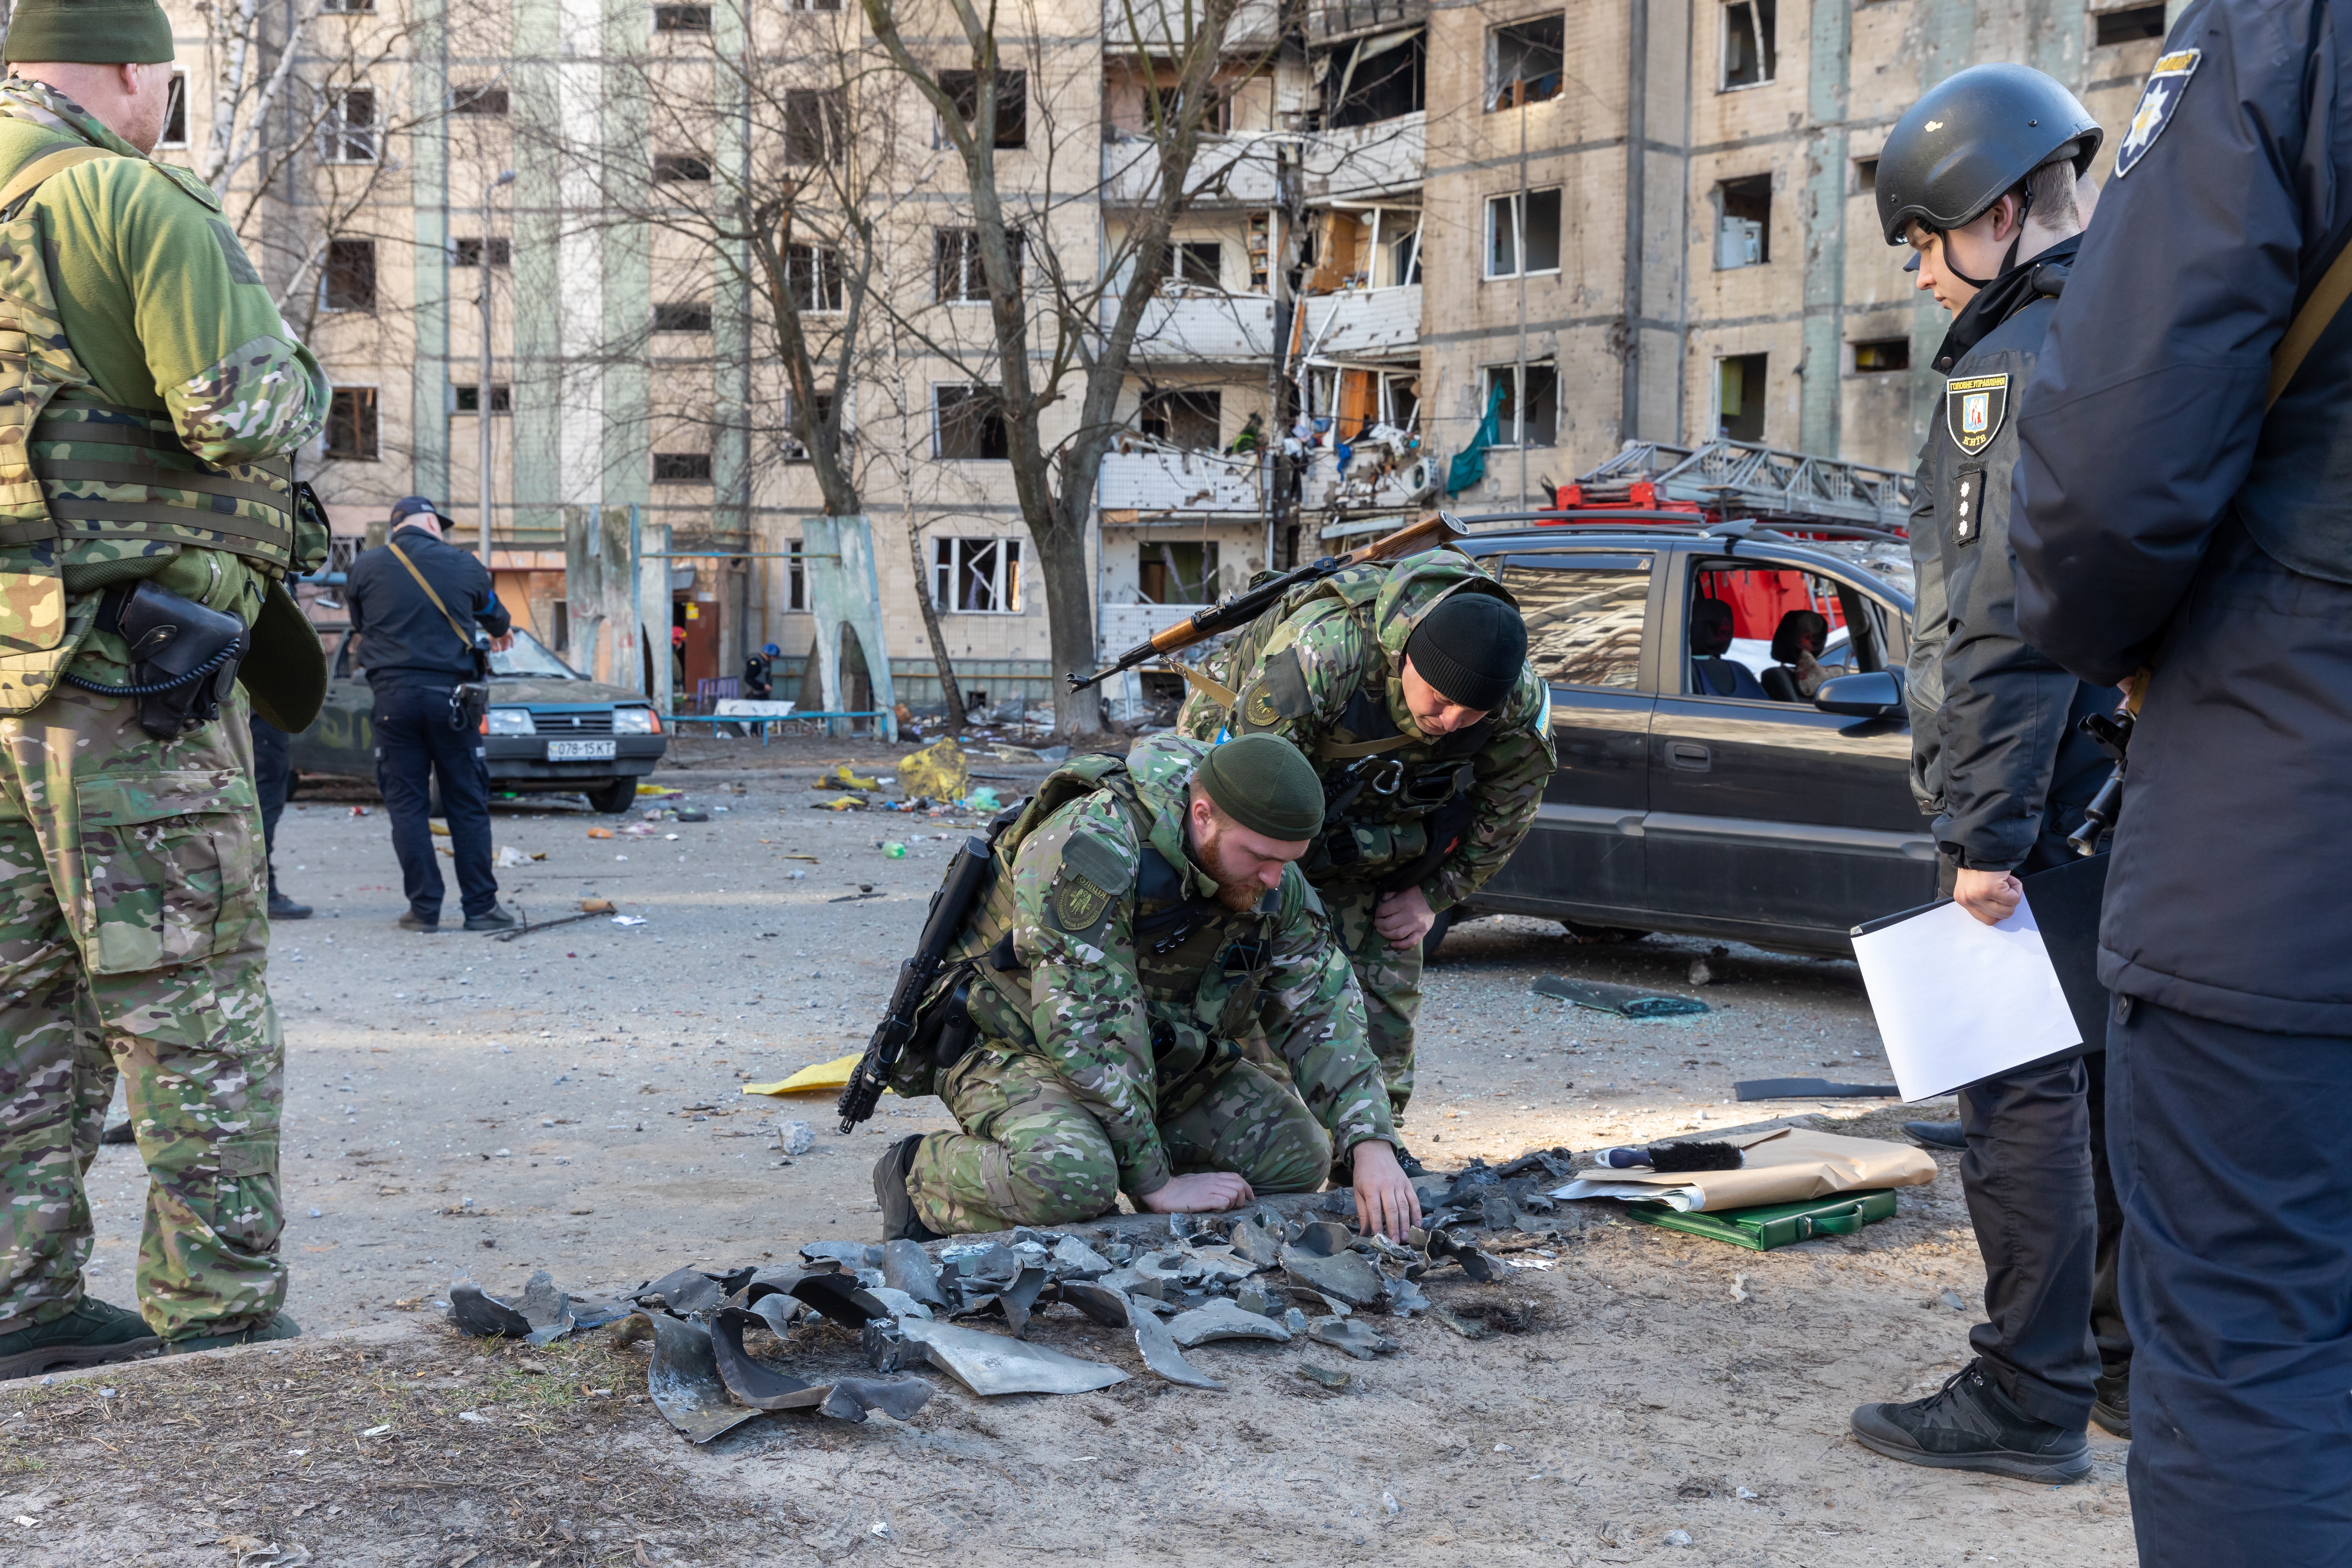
950, 908
1436, 530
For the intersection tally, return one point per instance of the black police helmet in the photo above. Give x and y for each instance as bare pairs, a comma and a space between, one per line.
1971, 139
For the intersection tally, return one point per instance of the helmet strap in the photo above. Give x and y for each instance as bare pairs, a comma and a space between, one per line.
2024, 194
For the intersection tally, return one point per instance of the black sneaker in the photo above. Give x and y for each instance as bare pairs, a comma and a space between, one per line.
898, 1221
491, 919
412, 921
92, 1334
279, 1327
1938, 1135
1414, 1170
1969, 1424
283, 907
2112, 1408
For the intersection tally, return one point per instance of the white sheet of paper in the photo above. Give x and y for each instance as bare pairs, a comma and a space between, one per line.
1958, 1000
752, 708
1682, 1198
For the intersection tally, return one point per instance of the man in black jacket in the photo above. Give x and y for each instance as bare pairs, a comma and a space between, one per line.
2174, 518
416, 659
1980, 179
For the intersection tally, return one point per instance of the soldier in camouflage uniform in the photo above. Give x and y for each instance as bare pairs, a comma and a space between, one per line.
1408, 686
143, 439
1144, 919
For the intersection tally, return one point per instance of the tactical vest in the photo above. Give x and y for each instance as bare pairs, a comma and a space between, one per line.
1393, 805
1200, 965
76, 471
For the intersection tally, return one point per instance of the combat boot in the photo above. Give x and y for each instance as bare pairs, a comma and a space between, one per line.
1414, 1169
2112, 1407
1969, 1424
92, 1334
898, 1221
280, 1327
283, 907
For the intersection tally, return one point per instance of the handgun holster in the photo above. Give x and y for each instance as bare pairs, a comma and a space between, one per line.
178, 647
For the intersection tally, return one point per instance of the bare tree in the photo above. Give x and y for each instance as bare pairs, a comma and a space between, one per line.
1050, 340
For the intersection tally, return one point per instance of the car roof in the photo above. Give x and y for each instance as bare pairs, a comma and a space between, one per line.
1883, 559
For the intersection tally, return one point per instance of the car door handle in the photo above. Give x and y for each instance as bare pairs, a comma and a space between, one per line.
1688, 755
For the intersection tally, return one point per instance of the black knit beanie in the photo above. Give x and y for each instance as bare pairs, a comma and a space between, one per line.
1471, 647
1265, 784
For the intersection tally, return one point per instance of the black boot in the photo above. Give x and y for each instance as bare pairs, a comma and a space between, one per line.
283, 907
2112, 1408
898, 1221
1937, 1134
1414, 1170
92, 1334
1969, 1424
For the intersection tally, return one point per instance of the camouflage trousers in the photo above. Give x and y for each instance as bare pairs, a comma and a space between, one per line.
1390, 980
133, 939
1030, 1153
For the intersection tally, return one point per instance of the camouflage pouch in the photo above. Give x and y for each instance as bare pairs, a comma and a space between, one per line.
28, 677
171, 869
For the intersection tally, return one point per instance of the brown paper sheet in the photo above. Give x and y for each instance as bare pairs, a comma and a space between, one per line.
1794, 1164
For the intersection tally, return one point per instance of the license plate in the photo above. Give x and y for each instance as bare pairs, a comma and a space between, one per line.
580, 751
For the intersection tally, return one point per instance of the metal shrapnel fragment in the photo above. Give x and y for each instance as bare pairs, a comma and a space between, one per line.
907, 1266
684, 1377
1348, 1276
1222, 1320
1330, 1377
1352, 1335
1468, 1328
992, 1364
762, 1387
476, 1311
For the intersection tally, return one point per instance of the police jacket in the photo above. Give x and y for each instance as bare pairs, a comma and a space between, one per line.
2166, 521
403, 639
1996, 756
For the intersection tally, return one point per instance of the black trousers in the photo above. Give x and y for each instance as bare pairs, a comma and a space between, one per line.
415, 746
2234, 1170
273, 770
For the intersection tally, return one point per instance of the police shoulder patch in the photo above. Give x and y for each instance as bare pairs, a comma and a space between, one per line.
1974, 408
2166, 84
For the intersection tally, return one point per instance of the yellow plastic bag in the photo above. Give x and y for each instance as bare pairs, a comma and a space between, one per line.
824, 1077
937, 771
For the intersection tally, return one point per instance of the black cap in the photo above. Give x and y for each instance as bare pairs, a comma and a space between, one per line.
1971, 140
1471, 647
410, 506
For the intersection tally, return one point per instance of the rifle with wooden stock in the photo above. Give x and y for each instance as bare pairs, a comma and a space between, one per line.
1437, 529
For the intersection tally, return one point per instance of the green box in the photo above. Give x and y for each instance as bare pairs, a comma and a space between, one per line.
1769, 1226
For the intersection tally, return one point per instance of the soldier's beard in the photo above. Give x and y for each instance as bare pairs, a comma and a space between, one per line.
1240, 895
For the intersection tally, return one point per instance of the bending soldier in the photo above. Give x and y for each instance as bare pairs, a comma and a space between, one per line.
1146, 916
145, 547
1408, 686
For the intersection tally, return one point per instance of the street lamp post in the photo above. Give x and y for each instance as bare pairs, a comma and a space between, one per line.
482, 391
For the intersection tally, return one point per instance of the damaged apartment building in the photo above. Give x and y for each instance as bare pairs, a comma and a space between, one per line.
1433, 250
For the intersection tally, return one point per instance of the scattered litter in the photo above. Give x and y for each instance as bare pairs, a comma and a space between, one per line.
983, 799
656, 792
1700, 975
894, 851
842, 778
377, 1431
1952, 1298
842, 803
475, 1416
938, 771
1624, 1001
832, 1075
1747, 1496
509, 858
1677, 1538
1740, 1291
1389, 1502
628, 919
600, 833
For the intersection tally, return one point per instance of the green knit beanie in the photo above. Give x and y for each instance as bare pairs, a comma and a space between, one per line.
1262, 782
90, 32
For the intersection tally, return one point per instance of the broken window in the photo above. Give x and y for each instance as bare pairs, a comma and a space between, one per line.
1740, 397
1523, 233
681, 18
977, 576
2135, 25
971, 424
1176, 573
352, 424
813, 278
820, 410
963, 89
1749, 56
813, 117
479, 100
175, 113
468, 252
1197, 263
1881, 355
1539, 426
1523, 61
688, 168
468, 398
1194, 420
681, 467
349, 133
682, 316
958, 276
1743, 234
1376, 79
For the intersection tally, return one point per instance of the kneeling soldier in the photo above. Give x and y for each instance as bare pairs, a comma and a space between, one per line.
1147, 916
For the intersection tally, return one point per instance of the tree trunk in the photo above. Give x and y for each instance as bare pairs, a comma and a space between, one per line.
950, 694
1070, 630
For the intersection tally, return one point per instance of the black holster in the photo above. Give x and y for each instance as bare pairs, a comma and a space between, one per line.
184, 657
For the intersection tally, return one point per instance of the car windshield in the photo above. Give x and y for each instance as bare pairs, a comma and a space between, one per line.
529, 659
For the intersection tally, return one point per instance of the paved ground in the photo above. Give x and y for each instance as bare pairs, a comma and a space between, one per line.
572, 1100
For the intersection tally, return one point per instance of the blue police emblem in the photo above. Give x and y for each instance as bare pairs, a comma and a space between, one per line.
2157, 100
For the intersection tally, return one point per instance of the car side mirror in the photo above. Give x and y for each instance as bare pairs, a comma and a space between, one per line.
1871, 694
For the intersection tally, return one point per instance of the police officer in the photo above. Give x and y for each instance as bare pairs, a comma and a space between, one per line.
408, 601
2175, 517
1408, 686
758, 679
1979, 179
1145, 917
273, 778
163, 395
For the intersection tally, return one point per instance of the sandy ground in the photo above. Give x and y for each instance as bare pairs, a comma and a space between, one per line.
571, 1100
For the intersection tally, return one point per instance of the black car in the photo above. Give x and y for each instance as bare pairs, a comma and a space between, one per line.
1692, 796
550, 730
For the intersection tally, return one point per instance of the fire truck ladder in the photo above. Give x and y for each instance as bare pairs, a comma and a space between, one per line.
1728, 476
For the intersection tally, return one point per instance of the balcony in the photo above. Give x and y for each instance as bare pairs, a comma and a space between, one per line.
1330, 21
1202, 329
1366, 163
1375, 480
1359, 324
1158, 482
1255, 25
1226, 172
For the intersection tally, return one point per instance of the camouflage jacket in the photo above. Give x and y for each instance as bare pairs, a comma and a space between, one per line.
1136, 1031
1327, 675
162, 313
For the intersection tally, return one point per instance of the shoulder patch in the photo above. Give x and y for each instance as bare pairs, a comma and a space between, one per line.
1278, 693
2166, 84
1967, 505
1078, 904
1975, 406
1089, 855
